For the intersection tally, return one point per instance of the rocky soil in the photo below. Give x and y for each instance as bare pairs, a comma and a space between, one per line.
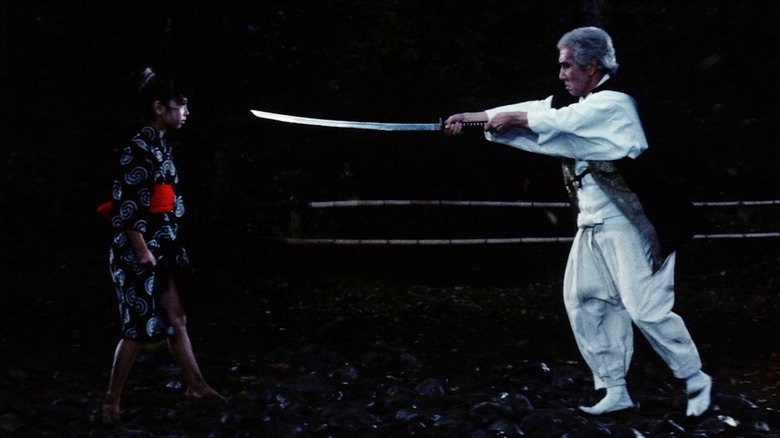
425, 345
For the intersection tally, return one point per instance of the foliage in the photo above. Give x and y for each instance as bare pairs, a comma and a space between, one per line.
68, 71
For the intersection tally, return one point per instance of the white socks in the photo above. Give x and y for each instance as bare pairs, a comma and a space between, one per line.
698, 388
617, 399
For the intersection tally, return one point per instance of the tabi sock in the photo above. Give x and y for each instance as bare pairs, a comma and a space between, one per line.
698, 388
617, 399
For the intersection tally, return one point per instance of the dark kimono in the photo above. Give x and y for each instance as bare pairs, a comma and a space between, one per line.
145, 165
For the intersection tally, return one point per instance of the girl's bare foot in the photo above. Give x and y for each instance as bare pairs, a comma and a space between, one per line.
204, 391
110, 414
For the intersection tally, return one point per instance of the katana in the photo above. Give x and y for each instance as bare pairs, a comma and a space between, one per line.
352, 124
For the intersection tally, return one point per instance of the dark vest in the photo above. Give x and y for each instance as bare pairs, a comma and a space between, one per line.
663, 217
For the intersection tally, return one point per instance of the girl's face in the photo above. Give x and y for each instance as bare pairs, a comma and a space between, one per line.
175, 113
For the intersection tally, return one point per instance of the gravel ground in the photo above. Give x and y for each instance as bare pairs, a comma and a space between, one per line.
318, 351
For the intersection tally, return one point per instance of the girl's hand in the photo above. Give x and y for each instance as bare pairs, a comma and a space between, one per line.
145, 257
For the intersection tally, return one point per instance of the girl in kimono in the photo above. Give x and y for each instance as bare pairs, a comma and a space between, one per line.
146, 257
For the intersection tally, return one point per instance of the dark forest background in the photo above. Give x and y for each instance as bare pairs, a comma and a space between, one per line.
708, 68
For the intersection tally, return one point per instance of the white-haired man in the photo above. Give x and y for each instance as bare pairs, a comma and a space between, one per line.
621, 265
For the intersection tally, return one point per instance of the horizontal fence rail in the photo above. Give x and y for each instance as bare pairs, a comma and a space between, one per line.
402, 203
498, 241
489, 241
429, 242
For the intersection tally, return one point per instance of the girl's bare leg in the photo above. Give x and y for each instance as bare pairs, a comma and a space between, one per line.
124, 357
181, 347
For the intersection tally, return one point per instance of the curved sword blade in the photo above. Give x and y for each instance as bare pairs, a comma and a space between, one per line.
375, 126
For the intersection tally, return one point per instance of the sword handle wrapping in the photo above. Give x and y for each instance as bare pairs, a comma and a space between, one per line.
473, 125
469, 126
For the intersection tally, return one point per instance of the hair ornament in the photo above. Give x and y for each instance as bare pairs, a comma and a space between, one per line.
146, 75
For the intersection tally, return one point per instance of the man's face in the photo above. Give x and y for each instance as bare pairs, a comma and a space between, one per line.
578, 81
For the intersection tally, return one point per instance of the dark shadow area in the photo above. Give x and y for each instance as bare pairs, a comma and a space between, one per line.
373, 340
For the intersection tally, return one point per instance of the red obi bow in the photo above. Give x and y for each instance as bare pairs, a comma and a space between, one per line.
104, 209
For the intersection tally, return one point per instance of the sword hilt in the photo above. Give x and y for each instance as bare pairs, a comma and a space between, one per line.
469, 126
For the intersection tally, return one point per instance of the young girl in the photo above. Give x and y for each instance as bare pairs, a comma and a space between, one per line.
146, 256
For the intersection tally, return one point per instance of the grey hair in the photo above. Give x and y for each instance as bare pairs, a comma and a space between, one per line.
588, 44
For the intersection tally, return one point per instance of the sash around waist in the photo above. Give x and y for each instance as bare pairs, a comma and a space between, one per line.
163, 199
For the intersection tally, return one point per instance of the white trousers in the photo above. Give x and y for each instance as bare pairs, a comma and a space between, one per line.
608, 285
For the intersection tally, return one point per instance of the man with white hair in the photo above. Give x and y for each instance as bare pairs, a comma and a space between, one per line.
621, 265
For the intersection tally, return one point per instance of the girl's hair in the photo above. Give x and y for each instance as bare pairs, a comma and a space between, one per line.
588, 44
160, 85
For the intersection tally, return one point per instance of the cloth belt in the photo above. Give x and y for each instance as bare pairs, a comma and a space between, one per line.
163, 201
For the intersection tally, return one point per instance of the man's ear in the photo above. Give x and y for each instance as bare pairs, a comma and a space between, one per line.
593, 67
157, 106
